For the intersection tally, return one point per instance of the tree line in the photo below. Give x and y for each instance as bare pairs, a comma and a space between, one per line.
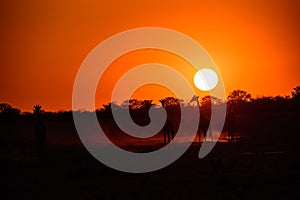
239, 102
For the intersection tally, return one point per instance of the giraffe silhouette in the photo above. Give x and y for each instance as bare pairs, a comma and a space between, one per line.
203, 123
168, 129
40, 131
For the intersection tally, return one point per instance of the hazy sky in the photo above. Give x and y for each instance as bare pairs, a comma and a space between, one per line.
255, 44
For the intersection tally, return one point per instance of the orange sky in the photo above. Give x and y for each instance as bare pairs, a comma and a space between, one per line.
255, 44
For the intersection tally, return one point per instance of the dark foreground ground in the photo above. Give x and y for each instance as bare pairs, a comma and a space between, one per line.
262, 164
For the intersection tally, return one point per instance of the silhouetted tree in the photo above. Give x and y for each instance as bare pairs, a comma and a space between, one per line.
170, 101
8, 112
4, 107
106, 109
238, 96
239, 101
208, 100
296, 93
134, 104
146, 104
296, 98
206, 103
40, 131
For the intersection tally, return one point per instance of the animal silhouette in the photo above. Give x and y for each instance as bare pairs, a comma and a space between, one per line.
203, 123
40, 131
204, 127
168, 129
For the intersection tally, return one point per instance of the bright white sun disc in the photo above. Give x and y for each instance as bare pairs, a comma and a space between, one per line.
205, 79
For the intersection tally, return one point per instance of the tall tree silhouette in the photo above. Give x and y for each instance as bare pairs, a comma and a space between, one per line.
238, 96
296, 93
8, 112
40, 131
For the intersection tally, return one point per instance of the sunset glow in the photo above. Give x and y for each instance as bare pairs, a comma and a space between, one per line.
255, 45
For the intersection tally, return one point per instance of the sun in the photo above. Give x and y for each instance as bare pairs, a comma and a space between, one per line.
206, 79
